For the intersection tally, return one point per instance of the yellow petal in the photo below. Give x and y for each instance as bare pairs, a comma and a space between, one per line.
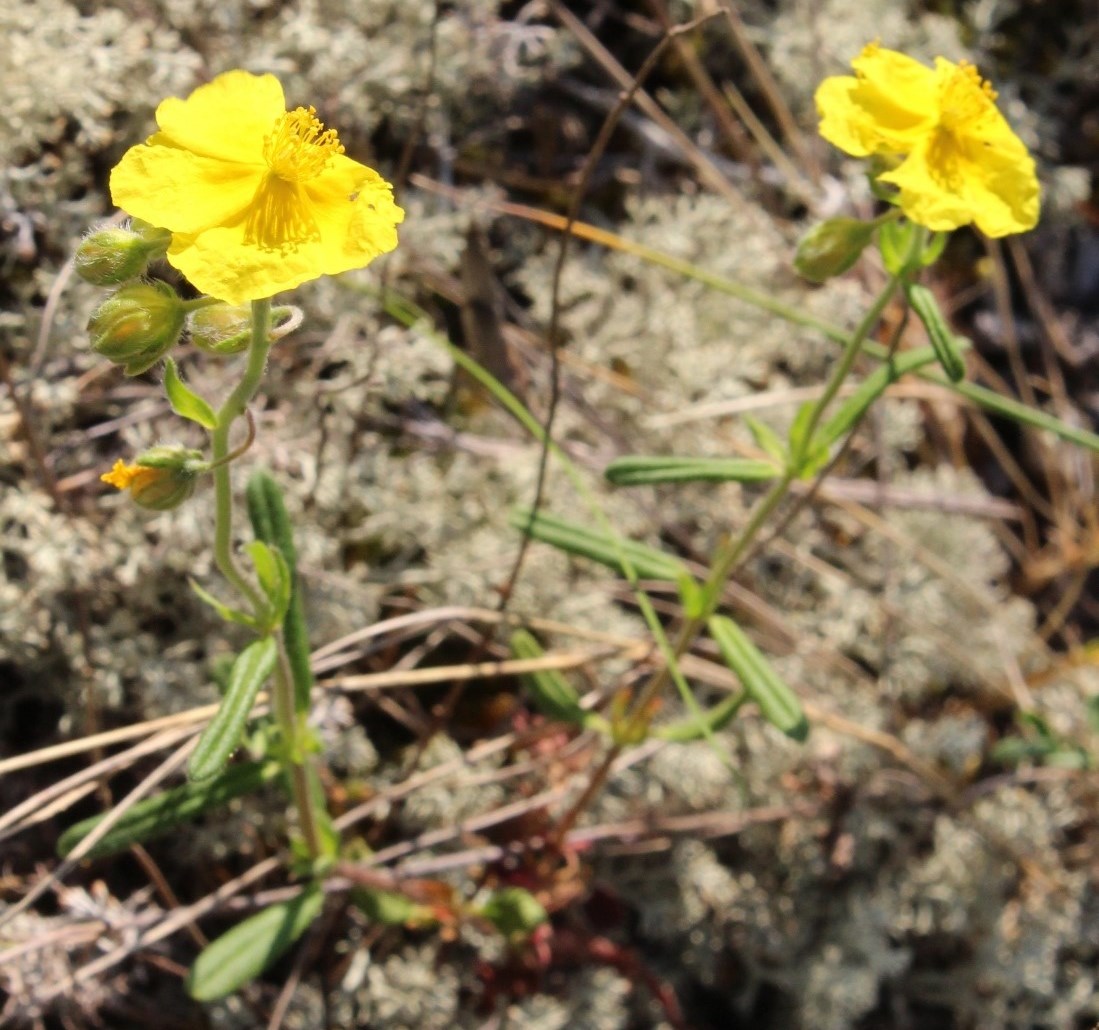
843, 122
176, 189
227, 118
121, 476
352, 219
885, 109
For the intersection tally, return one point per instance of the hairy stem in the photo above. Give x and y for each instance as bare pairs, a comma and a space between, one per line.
230, 411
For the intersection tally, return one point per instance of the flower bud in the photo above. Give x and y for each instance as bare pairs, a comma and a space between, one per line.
831, 248
137, 326
161, 478
112, 256
221, 328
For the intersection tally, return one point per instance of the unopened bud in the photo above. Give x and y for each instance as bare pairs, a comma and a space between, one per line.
221, 328
112, 256
161, 478
137, 326
831, 248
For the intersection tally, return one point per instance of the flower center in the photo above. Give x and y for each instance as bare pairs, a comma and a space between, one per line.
299, 146
963, 98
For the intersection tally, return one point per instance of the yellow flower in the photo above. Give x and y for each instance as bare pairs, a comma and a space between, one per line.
961, 161
257, 199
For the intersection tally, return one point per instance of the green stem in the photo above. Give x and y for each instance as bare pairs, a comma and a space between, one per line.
851, 350
296, 765
199, 302
733, 550
230, 411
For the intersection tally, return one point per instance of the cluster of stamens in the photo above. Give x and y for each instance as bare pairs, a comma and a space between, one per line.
964, 97
299, 147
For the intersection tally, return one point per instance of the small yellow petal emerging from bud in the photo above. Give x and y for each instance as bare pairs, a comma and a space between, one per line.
160, 479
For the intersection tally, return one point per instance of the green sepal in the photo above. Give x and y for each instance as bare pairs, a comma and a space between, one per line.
872, 387
241, 954
224, 611
933, 249
573, 538
777, 703
895, 241
832, 247
641, 470
251, 670
683, 730
923, 303
184, 401
155, 816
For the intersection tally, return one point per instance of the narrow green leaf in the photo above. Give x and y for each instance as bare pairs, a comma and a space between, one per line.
778, 704
640, 470
870, 389
184, 401
648, 562
238, 956
923, 303
388, 908
767, 440
251, 669
716, 718
274, 578
224, 611
155, 816
552, 694
271, 524
692, 596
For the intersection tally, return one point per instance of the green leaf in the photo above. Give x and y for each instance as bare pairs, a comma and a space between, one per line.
684, 730
647, 562
185, 402
224, 611
807, 456
271, 524
870, 389
767, 440
250, 671
692, 596
923, 303
514, 911
155, 816
778, 704
550, 691
241, 954
275, 579
390, 908
641, 470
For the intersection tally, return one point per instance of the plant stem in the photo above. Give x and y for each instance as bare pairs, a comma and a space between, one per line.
230, 411
297, 770
851, 350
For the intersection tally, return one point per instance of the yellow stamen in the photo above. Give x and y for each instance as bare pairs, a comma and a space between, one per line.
278, 217
299, 147
964, 98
